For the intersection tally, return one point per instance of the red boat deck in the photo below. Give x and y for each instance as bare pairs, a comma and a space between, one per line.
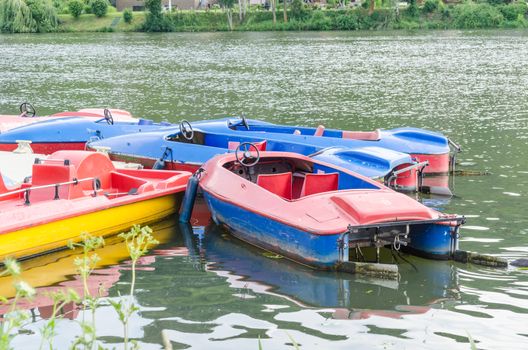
311, 202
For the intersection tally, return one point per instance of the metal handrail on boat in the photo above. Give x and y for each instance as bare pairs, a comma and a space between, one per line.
410, 167
455, 145
452, 157
40, 160
394, 174
458, 219
27, 191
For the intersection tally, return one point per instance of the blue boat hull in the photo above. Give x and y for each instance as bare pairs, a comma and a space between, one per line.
314, 250
434, 241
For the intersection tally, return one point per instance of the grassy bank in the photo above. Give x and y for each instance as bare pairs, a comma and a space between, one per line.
90, 23
466, 16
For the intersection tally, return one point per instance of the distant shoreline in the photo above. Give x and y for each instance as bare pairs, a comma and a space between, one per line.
430, 14
464, 16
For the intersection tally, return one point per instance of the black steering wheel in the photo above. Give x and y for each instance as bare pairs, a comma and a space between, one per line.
243, 154
186, 130
244, 122
108, 116
27, 110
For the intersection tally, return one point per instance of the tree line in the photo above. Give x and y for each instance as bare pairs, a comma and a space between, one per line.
35, 16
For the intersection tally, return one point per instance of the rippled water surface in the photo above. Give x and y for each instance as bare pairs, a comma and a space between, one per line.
217, 293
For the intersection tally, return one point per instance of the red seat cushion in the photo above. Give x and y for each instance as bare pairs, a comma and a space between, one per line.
317, 183
279, 184
261, 146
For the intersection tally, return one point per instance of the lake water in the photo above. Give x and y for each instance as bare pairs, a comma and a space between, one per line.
216, 293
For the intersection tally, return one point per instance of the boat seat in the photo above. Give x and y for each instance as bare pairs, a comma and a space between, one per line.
53, 172
88, 164
319, 131
297, 184
279, 184
362, 135
318, 183
261, 146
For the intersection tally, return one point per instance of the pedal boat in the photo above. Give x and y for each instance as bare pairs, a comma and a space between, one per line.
317, 214
28, 116
420, 144
187, 148
72, 192
71, 131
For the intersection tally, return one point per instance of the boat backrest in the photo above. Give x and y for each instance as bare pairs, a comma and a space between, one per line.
279, 184
89, 164
319, 131
318, 183
50, 173
362, 135
261, 146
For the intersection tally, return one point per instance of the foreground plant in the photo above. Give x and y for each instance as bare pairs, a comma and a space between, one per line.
85, 266
60, 298
15, 318
138, 241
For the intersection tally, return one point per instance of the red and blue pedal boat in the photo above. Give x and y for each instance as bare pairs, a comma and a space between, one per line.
316, 213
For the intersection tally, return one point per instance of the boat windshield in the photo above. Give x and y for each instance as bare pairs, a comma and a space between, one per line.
198, 138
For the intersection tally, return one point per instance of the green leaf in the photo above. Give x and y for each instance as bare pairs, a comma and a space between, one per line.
272, 255
471, 341
295, 345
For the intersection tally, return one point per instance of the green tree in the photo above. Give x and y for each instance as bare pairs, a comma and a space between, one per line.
153, 7
15, 17
227, 5
274, 11
298, 9
99, 7
154, 20
128, 15
412, 10
75, 7
29, 16
44, 15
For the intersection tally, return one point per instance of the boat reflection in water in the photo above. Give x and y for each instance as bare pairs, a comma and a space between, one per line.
52, 272
422, 285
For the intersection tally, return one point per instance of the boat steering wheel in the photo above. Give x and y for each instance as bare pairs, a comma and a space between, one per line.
243, 154
186, 130
108, 116
27, 110
244, 122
